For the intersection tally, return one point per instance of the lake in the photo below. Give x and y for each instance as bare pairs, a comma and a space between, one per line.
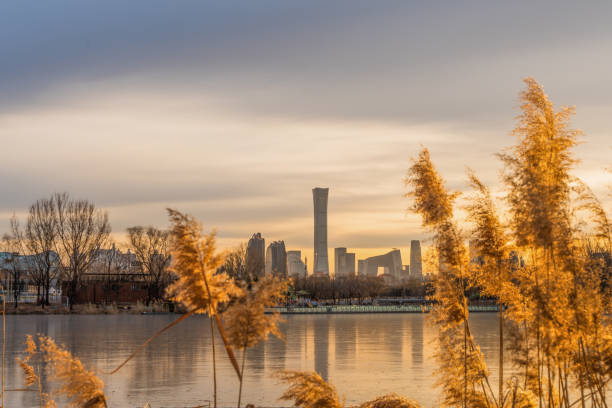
363, 355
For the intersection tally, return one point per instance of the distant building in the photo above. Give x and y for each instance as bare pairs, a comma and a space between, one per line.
112, 263
256, 253
361, 267
295, 265
392, 261
405, 272
416, 263
344, 263
321, 262
24, 264
276, 259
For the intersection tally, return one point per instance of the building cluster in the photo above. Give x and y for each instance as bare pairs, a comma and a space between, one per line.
114, 270
111, 269
276, 260
112, 263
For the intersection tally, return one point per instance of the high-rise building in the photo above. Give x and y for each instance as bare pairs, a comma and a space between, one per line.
344, 263
391, 262
321, 262
276, 259
256, 254
416, 264
295, 265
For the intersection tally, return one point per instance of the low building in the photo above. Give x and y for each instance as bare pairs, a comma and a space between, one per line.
344, 263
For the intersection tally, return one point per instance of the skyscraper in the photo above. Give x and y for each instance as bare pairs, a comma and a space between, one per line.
276, 259
416, 265
256, 253
319, 198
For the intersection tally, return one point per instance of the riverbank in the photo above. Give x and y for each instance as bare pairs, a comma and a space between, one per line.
90, 309
86, 309
349, 309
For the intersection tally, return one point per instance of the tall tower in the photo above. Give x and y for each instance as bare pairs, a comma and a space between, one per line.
416, 265
319, 198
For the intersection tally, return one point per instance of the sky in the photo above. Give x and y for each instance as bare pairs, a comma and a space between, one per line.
234, 111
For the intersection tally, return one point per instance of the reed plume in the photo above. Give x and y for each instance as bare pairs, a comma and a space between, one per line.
560, 333
31, 371
247, 321
309, 390
462, 372
199, 286
81, 387
390, 401
195, 261
491, 268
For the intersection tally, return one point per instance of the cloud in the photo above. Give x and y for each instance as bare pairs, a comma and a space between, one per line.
235, 110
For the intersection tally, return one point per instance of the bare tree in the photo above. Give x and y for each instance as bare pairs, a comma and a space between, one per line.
12, 262
152, 248
40, 241
82, 230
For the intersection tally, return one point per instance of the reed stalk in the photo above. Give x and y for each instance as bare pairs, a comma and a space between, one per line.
3, 339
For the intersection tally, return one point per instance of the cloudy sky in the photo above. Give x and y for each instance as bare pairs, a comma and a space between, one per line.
235, 110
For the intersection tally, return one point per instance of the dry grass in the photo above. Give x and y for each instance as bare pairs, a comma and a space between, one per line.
309, 390
390, 401
71, 379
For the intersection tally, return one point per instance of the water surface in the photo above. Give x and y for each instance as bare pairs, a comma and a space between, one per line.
363, 355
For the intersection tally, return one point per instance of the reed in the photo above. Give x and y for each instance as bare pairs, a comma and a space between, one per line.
541, 265
44, 358
247, 322
308, 390
462, 372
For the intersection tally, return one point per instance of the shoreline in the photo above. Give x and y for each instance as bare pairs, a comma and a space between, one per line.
28, 309
360, 309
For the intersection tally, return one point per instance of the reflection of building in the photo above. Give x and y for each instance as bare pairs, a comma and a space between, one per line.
391, 262
344, 263
345, 343
416, 333
276, 259
319, 198
295, 265
321, 347
416, 264
256, 250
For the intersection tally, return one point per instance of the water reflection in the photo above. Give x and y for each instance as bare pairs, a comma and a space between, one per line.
363, 355
321, 347
416, 340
